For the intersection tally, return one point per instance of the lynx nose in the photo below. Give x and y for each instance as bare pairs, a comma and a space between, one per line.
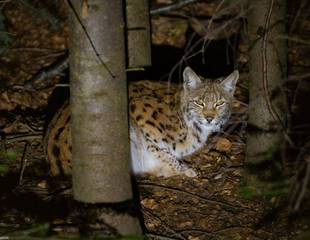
209, 115
209, 119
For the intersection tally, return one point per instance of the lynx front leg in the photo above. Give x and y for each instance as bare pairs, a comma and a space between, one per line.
168, 164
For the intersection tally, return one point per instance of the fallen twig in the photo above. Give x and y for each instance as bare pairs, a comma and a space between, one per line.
224, 205
39, 80
171, 232
23, 164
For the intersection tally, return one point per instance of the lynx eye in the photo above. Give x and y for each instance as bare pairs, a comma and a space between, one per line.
199, 103
219, 104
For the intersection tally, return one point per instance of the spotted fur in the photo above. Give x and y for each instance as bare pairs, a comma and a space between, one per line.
57, 142
166, 123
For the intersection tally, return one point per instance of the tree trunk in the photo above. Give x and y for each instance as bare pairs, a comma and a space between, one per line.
267, 103
138, 33
100, 142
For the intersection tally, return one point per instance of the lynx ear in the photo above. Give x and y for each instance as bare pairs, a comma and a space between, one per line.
229, 83
190, 79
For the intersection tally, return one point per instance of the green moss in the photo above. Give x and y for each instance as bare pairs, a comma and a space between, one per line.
270, 168
5, 37
8, 156
6, 159
271, 192
4, 169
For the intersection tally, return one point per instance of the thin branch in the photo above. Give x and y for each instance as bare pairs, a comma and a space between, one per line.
38, 81
200, 232
30, 49
171, 7
24, 137
206, 42
160, 237
51, 55
298, 77
23, 164
304, 185
225, 205
165, 225
188, 54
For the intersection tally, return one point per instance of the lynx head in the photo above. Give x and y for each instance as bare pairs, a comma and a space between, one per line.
207, 103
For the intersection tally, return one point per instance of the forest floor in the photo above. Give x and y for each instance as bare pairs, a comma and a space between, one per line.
214, 205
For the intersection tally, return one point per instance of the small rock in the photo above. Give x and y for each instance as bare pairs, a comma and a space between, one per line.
186, 224
43, 184
193, 238
223, 145
149, 203
218, 176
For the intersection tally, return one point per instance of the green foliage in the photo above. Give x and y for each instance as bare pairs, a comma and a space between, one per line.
10, 155
4, 169
40, 230
248, 192
304, 236
37, 231
6, 158
269, 167
5, 38
270, 191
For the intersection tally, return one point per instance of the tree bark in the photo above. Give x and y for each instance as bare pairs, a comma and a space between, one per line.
138, 33
267, 99
100, 141
99, 103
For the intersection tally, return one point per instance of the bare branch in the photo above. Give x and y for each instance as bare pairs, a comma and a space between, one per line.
38, 81
23, 164
220, 203
171, 7
304, 185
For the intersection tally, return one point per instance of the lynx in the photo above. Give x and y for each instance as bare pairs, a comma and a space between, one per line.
166, 124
